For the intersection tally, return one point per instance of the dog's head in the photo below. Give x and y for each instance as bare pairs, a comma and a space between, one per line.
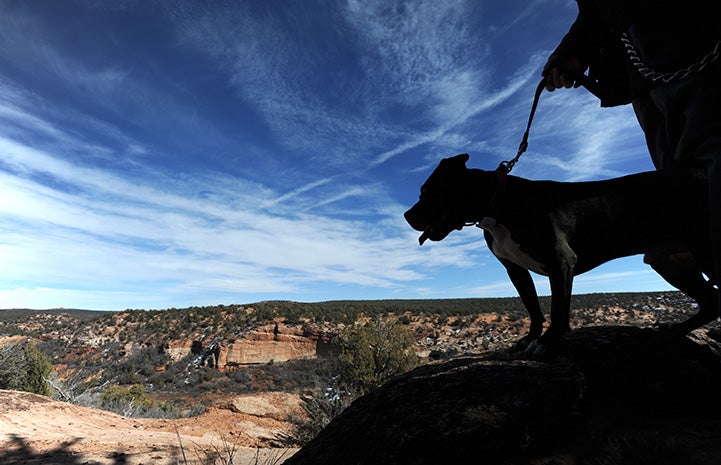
440, 207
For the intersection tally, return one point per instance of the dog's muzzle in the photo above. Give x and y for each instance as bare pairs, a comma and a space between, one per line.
419, 225
433, 230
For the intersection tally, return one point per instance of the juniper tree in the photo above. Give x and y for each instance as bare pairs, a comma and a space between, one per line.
24, 367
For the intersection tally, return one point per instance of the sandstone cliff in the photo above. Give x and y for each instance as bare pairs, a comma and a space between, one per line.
277, 343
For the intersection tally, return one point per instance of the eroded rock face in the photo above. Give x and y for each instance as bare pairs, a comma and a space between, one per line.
278, 343
176, 350
609, 395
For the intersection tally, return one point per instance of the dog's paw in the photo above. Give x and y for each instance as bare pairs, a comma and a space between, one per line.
537, 350
543, 348
522, 344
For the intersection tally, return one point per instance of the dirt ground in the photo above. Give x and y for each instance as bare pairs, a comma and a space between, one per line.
39, 430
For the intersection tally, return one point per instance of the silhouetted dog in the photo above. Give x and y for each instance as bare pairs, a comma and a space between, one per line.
562, 229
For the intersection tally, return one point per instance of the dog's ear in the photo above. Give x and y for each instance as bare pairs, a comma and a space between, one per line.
457, 161
463, 158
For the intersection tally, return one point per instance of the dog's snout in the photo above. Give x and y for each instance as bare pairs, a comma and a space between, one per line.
408, 216
412, 220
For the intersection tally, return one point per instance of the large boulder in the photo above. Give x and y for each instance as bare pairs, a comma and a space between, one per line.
608, 395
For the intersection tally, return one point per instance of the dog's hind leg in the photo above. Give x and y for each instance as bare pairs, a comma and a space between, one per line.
523, 282
681, 270
560, 307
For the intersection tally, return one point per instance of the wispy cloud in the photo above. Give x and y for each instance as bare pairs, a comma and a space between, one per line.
574, 139
258, 149
296, 192
127, 233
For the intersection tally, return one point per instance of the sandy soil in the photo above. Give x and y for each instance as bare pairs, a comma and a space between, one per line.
38, 430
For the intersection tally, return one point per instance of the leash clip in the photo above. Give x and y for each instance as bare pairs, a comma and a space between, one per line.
505, 167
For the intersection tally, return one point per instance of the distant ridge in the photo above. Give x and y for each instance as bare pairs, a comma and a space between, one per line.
513, 303
13, 313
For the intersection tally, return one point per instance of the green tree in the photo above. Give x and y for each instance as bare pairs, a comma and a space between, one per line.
373, 353
24, 367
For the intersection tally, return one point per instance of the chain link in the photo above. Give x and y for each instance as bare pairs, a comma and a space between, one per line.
655, 76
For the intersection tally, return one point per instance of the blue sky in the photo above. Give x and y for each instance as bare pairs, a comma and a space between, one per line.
178, 153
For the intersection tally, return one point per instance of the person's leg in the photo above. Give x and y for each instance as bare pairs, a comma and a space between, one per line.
681, 271
712, 160
674, 263
695, 104
683, 118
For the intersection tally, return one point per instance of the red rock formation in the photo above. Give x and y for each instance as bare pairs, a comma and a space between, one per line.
275, 342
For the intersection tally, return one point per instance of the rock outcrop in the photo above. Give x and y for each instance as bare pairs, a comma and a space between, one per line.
277, 343
608, 396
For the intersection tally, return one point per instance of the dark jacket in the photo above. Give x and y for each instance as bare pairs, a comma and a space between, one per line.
669, 35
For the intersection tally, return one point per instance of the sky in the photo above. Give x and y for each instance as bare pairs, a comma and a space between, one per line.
160, 154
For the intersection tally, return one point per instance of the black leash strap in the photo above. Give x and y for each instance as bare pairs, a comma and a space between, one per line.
506, 166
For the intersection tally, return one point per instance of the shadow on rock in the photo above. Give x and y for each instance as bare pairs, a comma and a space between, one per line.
21, 453
610, 396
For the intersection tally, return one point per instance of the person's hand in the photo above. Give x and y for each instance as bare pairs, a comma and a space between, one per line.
562, 72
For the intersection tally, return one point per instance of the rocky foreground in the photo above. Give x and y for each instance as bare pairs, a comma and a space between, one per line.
609, 396
37, 430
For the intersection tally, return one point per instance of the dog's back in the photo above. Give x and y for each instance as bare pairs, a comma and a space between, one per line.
609, 219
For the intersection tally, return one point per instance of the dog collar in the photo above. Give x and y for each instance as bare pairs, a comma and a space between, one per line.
498, 201
496, 204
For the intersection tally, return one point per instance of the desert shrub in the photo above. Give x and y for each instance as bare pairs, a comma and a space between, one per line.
134, 401
24, 368
335, 384
54, 349
125, 394
373, 353
290, 376
136, 367
319, 407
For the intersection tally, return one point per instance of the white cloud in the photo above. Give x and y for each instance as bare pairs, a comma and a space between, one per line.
125, 177
102, 231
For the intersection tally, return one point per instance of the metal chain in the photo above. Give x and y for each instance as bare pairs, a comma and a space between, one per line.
655, 76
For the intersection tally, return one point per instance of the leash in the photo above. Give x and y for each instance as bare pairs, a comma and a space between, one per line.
506, 166
582, 80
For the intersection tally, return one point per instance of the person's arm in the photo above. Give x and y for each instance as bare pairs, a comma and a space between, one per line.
569, 60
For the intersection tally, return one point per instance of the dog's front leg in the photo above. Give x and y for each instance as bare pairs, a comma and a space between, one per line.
523, 282
560, 316
561, 281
